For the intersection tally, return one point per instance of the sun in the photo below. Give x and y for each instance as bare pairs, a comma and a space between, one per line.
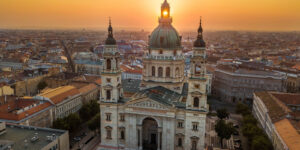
165, 13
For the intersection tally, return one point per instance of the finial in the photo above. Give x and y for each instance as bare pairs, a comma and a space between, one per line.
109, 21
200, 20
200, 30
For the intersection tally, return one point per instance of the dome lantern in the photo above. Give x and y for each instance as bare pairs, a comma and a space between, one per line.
165, 35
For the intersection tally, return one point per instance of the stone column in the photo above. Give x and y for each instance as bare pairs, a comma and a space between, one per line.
158, 138
140, 137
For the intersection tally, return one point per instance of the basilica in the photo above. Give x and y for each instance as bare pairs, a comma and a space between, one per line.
169, 110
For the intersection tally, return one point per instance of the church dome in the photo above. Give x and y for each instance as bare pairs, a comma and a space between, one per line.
164, 36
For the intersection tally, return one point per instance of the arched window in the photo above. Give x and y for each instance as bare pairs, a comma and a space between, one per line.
196, 102
168, 72
108, 95
160, 72
108, 64
108, 132
197, 69
177, 72
194, 145
179, 142
122, 135
153, 71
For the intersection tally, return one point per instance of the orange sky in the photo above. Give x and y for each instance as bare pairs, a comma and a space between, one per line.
143, 14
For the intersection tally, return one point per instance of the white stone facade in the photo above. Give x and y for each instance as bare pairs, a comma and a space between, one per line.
160, 116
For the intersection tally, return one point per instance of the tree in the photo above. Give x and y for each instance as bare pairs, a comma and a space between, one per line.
94, 123
84, 112
42, 85
222, 113
73, 121
60, 124
261, 143
94, 106
224, 130
249, 119
251, 130
89, 110
242, 109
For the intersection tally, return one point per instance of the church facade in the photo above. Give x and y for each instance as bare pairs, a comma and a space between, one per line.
169, 111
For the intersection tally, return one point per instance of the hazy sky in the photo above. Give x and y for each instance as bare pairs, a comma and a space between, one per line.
143, 14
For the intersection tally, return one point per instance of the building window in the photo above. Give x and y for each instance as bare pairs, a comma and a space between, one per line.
108, 64
196, 102
160, 72
179, 142
108, 132
168, 72
195, 126
108, 115
122, 135
194, 145
180, 124
177, 72
108, 80
197, 86
108, 95
197, 69
122, 117
153, 71
174, 52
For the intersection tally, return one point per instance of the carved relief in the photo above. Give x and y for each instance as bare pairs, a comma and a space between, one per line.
148, 104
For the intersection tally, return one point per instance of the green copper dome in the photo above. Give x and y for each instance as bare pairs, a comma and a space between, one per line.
164, 36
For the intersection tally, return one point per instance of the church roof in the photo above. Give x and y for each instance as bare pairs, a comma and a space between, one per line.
131, 85
164, 36
163, 95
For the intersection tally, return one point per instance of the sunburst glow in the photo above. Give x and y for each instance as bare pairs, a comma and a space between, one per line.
165, 13
217, 14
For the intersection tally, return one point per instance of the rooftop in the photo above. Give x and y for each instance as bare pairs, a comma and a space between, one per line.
288, 98
288, 134
24, 136
131, 85
275, 111
59, 94
162, 95
20, 108
247, 71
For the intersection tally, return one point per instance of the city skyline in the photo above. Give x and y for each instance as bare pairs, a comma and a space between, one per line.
267, 15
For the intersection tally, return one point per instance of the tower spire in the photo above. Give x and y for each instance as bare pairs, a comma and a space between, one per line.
200, 30
110, 37
200, 42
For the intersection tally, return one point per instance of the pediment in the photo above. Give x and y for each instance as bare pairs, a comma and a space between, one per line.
147, 104
196, 93
108, 86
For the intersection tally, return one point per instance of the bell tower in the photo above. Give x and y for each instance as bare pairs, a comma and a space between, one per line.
111, 88
197, 96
